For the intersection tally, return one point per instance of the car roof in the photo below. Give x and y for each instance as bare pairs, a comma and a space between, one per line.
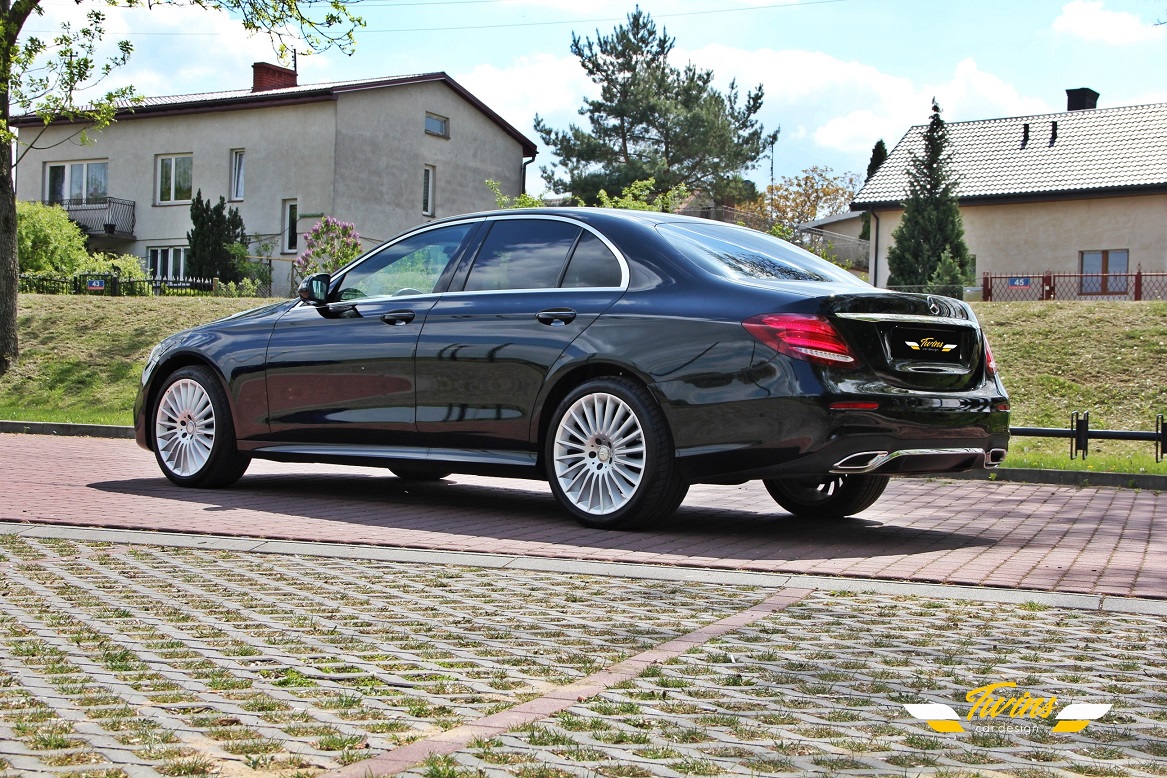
584, 214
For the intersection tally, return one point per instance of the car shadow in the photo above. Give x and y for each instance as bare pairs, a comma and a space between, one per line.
499, 513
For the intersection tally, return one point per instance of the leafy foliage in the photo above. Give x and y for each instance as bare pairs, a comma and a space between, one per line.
328, 246
524, 200
215, 230
931, 223
47, 239
812, 194
638, 196
652, 120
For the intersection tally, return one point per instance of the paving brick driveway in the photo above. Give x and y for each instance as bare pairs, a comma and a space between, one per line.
1090, 540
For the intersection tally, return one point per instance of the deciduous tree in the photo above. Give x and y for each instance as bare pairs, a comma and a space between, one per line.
46, 76
931, 223
815, 193
652, 120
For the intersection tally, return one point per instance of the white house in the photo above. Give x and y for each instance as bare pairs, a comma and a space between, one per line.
383, 153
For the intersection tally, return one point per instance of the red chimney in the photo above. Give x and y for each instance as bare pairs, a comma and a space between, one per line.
265, 76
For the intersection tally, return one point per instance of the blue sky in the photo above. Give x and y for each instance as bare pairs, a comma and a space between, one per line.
837, 74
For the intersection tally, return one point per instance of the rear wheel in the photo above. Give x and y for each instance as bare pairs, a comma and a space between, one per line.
192, 434
609, 456
827, 496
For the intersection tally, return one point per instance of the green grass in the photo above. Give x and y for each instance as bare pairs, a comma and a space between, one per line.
81, 361
1109, 358
81, 357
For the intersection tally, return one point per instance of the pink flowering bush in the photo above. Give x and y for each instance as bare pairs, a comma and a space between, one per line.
328, 246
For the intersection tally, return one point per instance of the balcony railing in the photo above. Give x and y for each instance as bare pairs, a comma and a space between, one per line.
110, 216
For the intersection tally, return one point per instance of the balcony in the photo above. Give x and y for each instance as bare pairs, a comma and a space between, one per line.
106, 216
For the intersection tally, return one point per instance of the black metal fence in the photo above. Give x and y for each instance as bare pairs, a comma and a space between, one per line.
1080, 435
111, 285
102, 216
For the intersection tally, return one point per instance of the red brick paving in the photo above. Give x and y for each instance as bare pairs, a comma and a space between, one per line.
1053, 538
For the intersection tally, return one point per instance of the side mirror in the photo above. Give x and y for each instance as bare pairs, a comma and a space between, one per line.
314, 289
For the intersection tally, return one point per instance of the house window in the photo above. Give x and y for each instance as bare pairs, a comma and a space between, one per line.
237, 174
175, 178
427, 190
168, 262
1105, 272
437, 125
291, 217
76, 183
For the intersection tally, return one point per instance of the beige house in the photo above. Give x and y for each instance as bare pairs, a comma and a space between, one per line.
1083, 191
385, 154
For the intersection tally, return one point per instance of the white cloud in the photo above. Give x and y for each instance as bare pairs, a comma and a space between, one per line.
553, 87
1091, 21
849, 105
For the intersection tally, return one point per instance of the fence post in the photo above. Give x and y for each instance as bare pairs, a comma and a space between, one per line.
987, 288
1047, 286
1139, 282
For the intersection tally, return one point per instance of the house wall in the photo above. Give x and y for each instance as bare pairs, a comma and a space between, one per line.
382, 148
1034, 237
274, 167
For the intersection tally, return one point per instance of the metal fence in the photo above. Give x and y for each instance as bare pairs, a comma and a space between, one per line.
1013, 287
1080, 435
114, 286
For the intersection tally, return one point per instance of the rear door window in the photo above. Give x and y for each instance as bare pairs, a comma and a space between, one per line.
522, 254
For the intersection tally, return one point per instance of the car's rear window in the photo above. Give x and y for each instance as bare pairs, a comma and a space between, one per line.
738, 252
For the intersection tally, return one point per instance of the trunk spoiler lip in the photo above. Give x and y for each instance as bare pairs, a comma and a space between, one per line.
910, 318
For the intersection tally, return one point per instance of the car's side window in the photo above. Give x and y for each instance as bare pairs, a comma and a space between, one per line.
411, 266
522, 254
592, 265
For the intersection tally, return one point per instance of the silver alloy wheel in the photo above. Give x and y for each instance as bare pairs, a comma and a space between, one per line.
599, 453
184, 427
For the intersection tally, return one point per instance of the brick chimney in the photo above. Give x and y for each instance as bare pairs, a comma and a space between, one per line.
265, 76
1081, 99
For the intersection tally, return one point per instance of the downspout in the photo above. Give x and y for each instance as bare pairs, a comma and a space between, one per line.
875, 253
523, 175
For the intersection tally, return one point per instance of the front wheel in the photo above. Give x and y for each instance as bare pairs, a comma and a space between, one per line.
826, 497
609, 456
193, 437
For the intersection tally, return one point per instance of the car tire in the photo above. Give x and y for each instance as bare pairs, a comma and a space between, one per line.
827, 496
410, 474
609, 456
192, 433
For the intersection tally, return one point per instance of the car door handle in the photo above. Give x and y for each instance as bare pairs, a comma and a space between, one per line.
556, 317
398, 318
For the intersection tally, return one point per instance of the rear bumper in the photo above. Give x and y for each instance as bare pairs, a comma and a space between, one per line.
920, 460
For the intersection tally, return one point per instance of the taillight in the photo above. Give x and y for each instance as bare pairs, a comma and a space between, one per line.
990, 363
801, 336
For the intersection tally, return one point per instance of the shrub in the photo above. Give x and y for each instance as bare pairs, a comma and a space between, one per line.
48, 241
328, 246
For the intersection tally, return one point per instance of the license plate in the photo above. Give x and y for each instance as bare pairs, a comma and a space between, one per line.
927, 345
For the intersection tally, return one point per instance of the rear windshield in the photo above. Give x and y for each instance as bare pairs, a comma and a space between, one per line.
738, 252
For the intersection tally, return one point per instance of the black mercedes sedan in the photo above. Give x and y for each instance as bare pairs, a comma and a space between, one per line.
619, 355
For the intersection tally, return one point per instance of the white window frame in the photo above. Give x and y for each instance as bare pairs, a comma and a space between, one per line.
174, 255
445, 122
68, 185
429, 190
170, 198
289, 221
238, 175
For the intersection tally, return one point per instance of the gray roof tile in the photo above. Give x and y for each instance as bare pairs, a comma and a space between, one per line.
1107, 148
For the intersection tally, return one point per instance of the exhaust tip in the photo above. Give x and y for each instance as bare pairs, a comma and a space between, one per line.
995, 457
861, 462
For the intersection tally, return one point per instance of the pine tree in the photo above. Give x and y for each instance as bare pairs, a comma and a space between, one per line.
654, 120
878, 157
214, 229
931, 222
948, 279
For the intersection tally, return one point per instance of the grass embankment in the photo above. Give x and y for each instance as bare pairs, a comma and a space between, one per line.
82, 357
